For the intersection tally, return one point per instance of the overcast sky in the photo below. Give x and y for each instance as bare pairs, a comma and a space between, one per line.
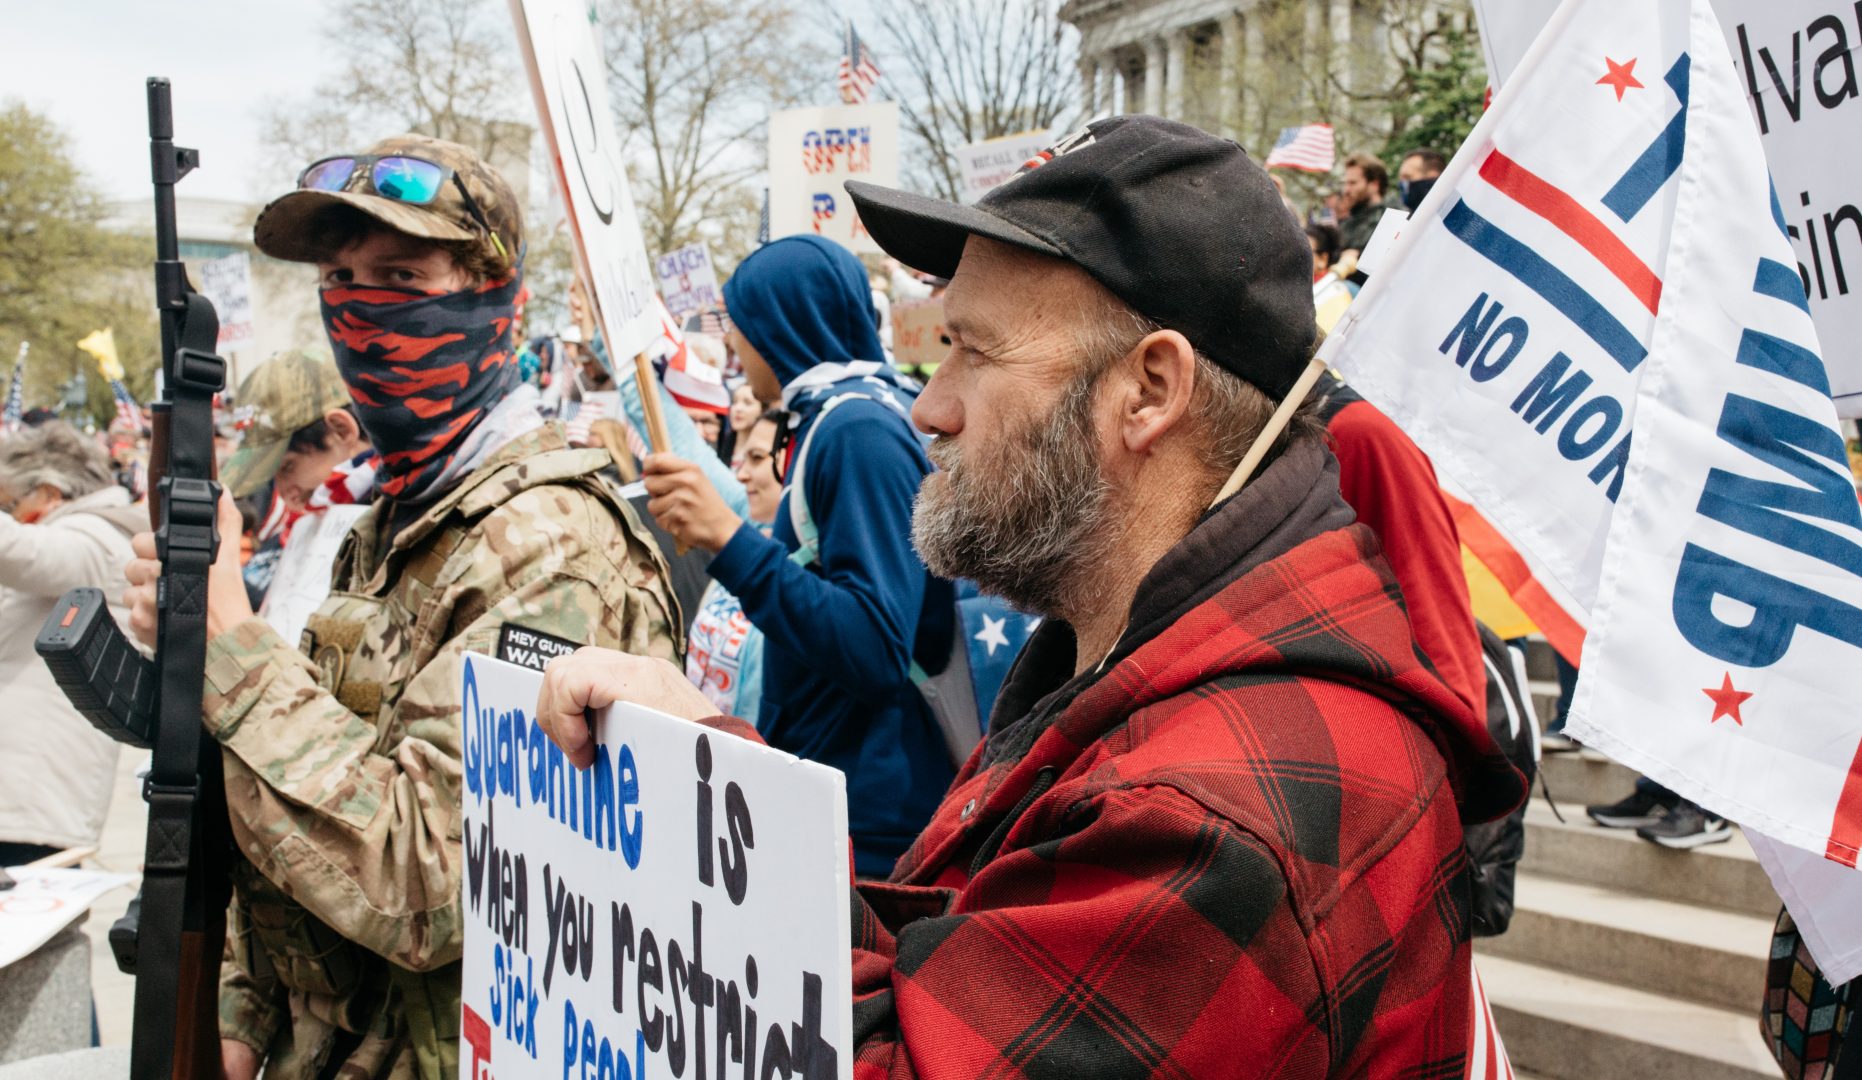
83, 62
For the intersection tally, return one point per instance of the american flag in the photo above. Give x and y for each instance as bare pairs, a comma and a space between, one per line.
714, 321
1308, 148
15, 400
128, 413
858, 73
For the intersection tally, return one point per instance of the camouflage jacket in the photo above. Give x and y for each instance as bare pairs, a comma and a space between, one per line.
343, 760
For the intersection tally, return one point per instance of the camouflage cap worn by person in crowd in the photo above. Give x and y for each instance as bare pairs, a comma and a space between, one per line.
473, 203
287, 393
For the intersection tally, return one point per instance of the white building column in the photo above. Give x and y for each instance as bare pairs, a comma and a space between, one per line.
1089, 86
1314, 48
1115, 83
1234, 57
1154, 76
1344, 57
1176, 67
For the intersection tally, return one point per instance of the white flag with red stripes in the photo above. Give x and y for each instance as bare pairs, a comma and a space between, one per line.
1595, 326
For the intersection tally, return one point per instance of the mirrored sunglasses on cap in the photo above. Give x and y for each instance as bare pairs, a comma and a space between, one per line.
401, 177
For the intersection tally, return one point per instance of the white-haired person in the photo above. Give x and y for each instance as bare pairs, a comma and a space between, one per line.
67, 523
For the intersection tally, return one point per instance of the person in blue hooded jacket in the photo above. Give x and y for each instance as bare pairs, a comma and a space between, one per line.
848, 618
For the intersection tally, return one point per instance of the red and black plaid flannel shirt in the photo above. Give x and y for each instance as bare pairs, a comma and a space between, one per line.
1236, 854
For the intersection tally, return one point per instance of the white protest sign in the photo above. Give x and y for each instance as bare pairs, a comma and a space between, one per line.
562, 55
227, 281
43, 902
981, 166
683, 902
1798, 64
686, 280
812, 152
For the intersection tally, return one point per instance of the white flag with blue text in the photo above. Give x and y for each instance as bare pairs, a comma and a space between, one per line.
1594, 324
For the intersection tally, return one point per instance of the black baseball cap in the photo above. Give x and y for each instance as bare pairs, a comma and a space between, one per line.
1179, 224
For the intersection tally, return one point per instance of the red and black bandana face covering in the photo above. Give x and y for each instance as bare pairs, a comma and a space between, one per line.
423, 369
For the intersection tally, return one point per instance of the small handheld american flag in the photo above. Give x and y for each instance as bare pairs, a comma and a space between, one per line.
128, 413
858, 74
1308, 149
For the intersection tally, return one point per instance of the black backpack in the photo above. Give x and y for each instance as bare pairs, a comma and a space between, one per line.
1495, 847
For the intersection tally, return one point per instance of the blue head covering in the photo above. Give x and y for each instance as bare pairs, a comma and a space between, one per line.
804, 301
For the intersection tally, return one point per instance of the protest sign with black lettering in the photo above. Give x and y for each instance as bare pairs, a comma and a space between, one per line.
687, 281
812, 152
983, 165
569, 82
227, 281
1798, 65
683, 902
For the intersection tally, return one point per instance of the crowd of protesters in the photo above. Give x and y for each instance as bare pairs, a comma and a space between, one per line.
1230, 747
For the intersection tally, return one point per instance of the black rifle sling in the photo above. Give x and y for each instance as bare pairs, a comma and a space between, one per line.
181, 770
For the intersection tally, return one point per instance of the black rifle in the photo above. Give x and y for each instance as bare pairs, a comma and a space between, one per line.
174, 947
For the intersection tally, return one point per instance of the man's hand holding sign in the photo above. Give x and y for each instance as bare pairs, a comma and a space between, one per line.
577, 687
647, 889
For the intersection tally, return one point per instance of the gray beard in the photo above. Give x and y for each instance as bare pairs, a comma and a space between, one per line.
1026, 521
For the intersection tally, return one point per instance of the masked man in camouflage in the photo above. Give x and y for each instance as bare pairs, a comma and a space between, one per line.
487, 533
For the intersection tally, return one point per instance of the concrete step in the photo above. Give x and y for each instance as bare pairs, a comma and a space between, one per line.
1725, 876
1693, 953
1586, 777
1540, 662
1544, 694
1565, 1027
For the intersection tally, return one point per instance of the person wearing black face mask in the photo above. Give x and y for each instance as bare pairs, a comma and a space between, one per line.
486, 532
1416, 174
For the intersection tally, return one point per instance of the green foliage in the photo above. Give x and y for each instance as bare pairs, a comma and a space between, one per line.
1449, 94
64, 274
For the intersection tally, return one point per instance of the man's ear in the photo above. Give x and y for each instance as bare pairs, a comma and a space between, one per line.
343, 426
1159, 380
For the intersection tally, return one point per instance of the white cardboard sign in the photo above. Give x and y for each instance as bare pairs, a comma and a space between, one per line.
981, 166
562, 56
812, 152
687, 281
227, 281
682, 903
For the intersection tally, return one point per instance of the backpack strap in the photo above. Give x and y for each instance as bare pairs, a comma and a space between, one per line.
807, 534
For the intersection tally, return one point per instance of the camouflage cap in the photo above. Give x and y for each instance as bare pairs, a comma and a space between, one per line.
290, 391
287, 230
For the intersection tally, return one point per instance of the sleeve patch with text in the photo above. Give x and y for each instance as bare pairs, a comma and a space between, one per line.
531, 648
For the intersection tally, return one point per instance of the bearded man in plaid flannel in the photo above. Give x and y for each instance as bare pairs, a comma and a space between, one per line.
1216, 827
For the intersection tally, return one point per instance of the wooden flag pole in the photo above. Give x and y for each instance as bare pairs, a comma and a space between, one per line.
648, 384
1275, 425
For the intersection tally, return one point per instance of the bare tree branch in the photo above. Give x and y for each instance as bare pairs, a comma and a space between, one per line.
692, 83
967, 70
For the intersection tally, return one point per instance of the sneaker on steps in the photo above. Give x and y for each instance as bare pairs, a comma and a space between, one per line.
1635, 812
1687, 826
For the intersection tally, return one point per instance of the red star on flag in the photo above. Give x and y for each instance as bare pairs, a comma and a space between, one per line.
1620, 77
1726, 700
